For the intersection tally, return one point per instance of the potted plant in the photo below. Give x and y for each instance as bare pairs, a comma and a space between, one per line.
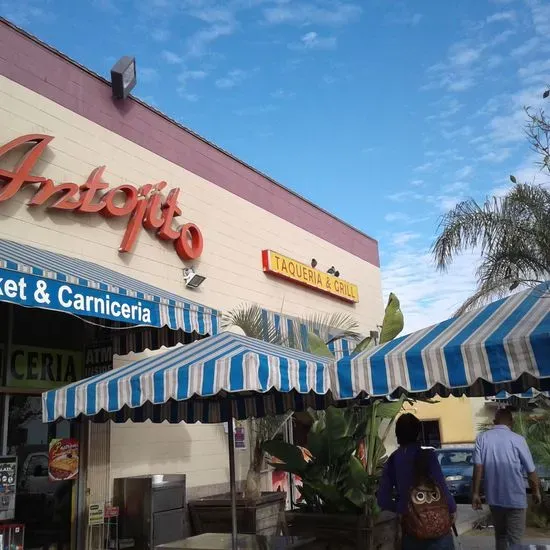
337, 474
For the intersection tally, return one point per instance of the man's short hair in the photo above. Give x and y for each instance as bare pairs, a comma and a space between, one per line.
407, 429
504, 416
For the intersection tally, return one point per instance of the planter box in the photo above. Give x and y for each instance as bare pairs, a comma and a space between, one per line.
343, 532
263, 517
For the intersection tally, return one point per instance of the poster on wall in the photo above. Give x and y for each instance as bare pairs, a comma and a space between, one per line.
8, 484
63, 459
43, 368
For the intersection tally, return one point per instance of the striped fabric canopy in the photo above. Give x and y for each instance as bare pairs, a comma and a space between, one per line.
101, 284
503, 346
295, 332
221, 377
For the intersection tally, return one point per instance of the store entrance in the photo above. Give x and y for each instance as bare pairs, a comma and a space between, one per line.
42, 505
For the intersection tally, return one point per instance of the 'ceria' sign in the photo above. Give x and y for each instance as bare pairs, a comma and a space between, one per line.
145, 206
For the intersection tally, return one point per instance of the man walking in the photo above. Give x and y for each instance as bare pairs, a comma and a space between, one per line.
501, 457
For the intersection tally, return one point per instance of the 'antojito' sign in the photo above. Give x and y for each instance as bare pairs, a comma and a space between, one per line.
146, 206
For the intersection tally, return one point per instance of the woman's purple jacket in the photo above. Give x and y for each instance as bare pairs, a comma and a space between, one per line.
399, 474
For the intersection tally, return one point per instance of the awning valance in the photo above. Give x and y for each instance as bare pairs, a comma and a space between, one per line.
503, 346
212, 380
33, 277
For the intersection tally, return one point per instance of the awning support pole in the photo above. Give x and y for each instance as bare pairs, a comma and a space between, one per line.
232, 482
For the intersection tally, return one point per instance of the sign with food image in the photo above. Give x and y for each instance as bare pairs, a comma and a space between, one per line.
63, 459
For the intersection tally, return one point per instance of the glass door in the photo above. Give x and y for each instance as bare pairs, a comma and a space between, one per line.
44, 506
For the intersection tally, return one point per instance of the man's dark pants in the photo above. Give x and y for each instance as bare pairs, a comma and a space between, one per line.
509, 524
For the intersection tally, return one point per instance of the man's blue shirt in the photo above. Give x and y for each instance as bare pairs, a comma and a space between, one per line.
505, 457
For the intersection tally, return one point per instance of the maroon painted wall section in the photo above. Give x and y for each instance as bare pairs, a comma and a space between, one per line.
33, 65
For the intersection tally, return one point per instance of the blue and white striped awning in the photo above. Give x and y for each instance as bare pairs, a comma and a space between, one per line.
220, 377
529, 394
33, 277
295, 332
503, 346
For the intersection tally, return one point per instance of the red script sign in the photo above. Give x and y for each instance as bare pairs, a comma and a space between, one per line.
146, 206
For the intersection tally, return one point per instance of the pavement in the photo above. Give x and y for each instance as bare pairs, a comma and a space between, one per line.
482, 540
466, 517
487, 542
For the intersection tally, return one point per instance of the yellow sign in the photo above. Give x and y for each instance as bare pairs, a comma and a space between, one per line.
287, 268
43, 368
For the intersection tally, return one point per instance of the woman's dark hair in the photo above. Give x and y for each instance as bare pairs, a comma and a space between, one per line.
407, 429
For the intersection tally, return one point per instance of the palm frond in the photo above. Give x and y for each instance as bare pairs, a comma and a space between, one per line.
511, 232
332, 326
250, 318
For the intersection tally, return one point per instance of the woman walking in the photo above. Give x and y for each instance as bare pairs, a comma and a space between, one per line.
422, 500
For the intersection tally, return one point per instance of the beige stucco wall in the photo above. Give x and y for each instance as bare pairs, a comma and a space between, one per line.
235, 232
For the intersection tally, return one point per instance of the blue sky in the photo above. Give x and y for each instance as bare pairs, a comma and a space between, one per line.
384, 113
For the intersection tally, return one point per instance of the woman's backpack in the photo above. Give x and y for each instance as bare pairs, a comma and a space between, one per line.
427, 515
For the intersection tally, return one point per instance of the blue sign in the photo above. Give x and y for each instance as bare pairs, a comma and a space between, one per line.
29, 290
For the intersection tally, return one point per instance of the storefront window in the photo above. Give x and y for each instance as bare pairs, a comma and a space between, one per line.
44, 506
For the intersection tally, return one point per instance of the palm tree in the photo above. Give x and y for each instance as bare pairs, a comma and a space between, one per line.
512, 231
513, 234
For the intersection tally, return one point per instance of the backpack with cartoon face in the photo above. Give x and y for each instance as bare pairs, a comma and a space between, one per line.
427, 515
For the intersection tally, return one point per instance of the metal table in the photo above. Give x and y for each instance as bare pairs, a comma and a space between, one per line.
222, 541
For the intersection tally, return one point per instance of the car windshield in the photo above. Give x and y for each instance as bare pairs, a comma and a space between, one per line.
455, 458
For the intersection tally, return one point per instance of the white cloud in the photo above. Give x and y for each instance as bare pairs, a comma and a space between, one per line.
160, 35
460, 84
462, 131
198, 43
404, 237
496, 156
171, 57
280, 93
462, 55
464, 172
397, 217
417, 183
527, 47
426, 167
232, 79
404, 196
255, 110
184, 78
502, 16
427, 296
147, 74
456, 187
304, 13
494, 61
405, 18
312, 41
540, 12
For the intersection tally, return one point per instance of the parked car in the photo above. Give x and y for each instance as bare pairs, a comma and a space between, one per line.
544, 476
458, 468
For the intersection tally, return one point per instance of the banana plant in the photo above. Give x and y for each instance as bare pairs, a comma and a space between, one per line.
336, 476
392, 325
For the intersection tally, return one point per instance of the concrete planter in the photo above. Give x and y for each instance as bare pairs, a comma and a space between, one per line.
344, 532
262, 517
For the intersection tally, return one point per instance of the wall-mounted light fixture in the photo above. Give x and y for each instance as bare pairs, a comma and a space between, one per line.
331, 270
313, 263
123, 77
191, 279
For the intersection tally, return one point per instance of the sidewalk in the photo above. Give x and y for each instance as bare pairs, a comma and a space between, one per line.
467, 518
487, 542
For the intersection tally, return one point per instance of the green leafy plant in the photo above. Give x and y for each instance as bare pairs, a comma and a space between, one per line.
340, 467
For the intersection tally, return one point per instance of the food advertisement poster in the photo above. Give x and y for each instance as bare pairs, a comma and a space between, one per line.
63, 459
8, 484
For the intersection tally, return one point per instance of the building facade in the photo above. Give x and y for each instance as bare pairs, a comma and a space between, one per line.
58, 207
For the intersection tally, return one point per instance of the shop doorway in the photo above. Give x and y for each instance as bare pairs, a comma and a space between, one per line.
45, 507
430, 435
